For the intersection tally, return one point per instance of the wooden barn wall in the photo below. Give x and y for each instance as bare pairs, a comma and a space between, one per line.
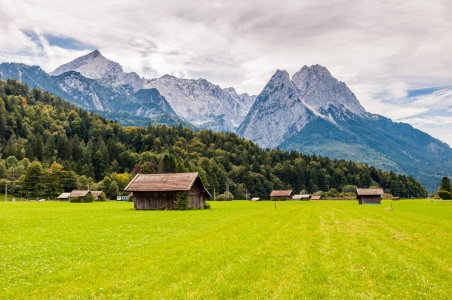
167, 200
370, 200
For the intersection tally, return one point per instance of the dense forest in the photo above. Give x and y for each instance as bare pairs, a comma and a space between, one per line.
49, 145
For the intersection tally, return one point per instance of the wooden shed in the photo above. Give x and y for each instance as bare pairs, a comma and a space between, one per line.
256, 199
369, 196
64, 197
82, 194
316, 198
287, 194
302, 197
154, 191
395, 198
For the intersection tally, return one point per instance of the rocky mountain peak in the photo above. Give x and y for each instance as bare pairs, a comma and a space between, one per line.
319, 89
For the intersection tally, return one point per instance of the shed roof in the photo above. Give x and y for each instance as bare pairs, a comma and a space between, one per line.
163, 182
286, 193
369, 192
255, 199
316, 198
96, 193
64, 196
77, 193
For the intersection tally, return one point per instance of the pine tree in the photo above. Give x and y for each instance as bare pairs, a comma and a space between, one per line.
446, 185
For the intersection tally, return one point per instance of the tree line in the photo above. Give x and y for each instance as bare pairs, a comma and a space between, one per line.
42, 136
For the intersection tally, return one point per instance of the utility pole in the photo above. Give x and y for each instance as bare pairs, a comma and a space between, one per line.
227, 190
213, 194
246, 194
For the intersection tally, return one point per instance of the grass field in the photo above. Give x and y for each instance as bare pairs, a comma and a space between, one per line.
311, 250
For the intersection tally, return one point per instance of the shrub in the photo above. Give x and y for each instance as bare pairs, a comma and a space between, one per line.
207, 205
129, 199
75, 200
102, 197
445, 195
349, 189
89, 198
319, 193
182, 201
282, 199
273, 199
158, 208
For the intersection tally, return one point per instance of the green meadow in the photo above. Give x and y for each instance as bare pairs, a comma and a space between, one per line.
239, 249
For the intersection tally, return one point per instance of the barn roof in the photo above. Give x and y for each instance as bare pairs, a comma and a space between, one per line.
369, 192
64, 196
316, 198
298, 197
255, 199
163, 182
96, 193
76, 193
286, 193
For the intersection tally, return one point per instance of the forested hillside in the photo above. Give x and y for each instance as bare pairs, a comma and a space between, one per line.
50, 146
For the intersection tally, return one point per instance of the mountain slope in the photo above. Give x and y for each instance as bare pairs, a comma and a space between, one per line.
315, 113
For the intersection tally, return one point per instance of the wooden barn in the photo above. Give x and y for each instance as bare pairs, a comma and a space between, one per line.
316, 198
302, 197
82, 194
287, 194
64, 197
155, 191
369, 196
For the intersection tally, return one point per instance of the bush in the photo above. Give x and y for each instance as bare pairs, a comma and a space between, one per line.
158, 208
89, 198
207, 205
75, 200
282, 199
445, 195
182, 201
273, 199
129, 199
319, 193
102, 197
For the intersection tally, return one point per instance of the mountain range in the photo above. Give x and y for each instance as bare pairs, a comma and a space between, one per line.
311, 112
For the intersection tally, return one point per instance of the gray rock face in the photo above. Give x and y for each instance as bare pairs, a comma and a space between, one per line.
197, 101
321, 90
201, 102
286, 106
96, 66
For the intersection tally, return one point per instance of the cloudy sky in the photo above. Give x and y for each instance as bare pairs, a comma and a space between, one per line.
396, 56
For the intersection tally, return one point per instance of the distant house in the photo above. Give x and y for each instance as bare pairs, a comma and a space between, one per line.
316, 198
64, 197
154, 191
369, 196
437, 197
287, 194
302, 197
395, 198
96, 194
82, 194
256, 199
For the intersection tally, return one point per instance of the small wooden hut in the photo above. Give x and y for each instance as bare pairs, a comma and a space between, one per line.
395, 198
64, 197
302, 197
256, 199
316, 198
82, 194
155, 191
287, 194
369, 196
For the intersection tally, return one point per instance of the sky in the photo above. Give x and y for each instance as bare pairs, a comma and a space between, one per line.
396, 56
